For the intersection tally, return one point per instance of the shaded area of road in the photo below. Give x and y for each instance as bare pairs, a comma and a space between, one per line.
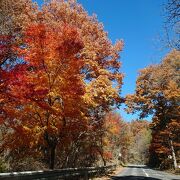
141, 172
134, 178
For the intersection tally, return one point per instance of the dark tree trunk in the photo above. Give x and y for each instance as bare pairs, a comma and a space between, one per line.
104, 161
52, 142
52, 157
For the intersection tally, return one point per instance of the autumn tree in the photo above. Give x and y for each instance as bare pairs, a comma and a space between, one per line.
13, 17
46, 102
140, 141
110, 131
64, 80
124, 142
157, 94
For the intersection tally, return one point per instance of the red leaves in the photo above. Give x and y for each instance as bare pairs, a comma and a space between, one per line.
107, 155
45, 88
72, 43
45, 41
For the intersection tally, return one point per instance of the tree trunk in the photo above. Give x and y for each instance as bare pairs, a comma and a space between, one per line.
104, 161
173, 155
52, 157
52, 142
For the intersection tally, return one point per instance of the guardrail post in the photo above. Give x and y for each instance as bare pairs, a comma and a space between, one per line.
86, 175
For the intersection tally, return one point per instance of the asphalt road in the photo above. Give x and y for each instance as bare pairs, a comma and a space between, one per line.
140, 172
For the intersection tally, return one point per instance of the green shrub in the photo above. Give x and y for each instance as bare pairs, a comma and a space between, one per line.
3, 167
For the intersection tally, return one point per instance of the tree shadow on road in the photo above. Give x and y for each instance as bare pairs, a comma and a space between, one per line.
136, 166
133, 178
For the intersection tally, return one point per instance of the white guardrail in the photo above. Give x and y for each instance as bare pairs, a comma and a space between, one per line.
67, 174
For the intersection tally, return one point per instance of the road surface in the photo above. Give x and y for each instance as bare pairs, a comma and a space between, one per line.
140, 172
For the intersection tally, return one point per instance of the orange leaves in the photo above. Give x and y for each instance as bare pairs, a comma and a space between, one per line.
107, 155
64, 80
155, 85
157, 93
48, 44
100, 91
72, 43
113, 123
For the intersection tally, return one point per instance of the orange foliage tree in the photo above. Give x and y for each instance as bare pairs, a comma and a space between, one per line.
64, 80
157, 93
138, 151
106, 142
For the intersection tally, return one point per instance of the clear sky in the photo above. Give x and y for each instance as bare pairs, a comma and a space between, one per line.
140, 24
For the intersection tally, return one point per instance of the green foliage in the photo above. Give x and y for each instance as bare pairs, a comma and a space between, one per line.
3, 166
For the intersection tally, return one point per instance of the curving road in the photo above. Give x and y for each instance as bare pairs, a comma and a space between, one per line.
135, 172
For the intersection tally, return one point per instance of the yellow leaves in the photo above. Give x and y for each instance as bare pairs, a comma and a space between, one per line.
26, 129
106, 141
100, 92
37, 129
173, 91
89, 101
53, 94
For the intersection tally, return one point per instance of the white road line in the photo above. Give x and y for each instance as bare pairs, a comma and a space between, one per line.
145, 173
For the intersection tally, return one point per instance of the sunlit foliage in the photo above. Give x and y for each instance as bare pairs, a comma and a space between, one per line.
59, 78
158, 94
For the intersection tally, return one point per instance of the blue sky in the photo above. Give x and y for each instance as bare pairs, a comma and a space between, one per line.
140, 24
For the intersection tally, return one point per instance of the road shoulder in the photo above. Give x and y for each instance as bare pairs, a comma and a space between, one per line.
118, 170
